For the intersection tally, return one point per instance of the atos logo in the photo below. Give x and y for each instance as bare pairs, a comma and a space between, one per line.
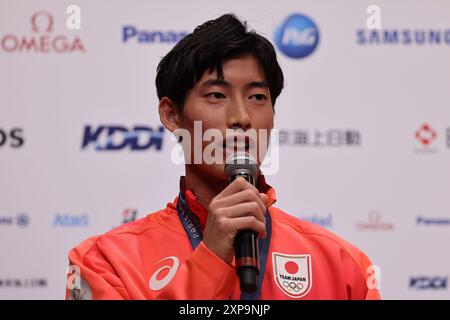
433, 283
297, 37
70, 220
113, 138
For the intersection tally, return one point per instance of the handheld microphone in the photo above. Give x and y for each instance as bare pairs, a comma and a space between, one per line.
242, 164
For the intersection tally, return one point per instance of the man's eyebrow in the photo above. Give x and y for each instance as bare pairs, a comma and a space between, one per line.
258, 84
215, 82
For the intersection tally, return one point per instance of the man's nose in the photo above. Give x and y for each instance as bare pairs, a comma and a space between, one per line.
238, 116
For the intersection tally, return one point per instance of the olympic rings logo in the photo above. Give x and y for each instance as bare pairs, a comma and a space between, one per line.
292, 286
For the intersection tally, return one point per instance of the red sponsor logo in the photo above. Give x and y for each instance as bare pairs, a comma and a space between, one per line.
375, 223
43, 39
426, 135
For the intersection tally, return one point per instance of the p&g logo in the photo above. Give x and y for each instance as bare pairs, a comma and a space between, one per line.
297, 37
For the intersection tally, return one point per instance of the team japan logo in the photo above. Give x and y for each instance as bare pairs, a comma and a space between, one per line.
292, 273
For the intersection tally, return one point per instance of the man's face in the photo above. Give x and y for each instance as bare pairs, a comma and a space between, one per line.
239, 102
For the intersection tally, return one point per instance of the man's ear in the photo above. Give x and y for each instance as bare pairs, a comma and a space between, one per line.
169, 114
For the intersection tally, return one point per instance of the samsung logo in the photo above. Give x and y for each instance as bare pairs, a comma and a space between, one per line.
403, 37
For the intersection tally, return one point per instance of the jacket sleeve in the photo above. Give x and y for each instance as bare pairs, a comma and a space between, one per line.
373, 279
90, 276
362, 276
202, 276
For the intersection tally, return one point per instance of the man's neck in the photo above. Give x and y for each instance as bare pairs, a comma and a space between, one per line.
204, 187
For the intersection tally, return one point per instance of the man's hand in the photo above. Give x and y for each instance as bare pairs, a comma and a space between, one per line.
239, 206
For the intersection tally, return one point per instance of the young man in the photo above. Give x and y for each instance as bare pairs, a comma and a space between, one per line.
229, 79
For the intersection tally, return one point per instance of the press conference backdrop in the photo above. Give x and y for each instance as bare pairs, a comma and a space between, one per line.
364, 124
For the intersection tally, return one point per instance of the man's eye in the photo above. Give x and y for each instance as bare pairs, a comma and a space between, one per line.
258, 97
215, 95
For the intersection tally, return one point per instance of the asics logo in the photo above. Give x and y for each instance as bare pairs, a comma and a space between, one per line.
156, 284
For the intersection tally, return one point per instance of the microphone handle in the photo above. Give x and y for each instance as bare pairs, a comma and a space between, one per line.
247, 264
246, 252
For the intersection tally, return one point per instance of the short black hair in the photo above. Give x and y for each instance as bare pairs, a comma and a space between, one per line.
206, 48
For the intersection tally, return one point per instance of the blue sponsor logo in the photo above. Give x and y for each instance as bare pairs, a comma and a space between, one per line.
70, 220
297, 37
420, 220
6, 221
425, 282
324, 221
114, 138
133, 34
403, 37
23, 283
21, 220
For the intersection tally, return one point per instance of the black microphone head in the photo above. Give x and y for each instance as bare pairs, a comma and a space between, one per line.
241, 163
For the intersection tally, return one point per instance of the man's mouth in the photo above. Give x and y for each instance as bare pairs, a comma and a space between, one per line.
238, 143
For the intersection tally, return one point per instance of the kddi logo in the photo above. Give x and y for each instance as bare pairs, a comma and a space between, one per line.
113, 138
428, 282
43, 39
